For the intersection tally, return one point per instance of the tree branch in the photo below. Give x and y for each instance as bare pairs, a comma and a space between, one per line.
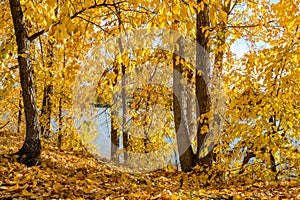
230, 11
93, 23
36, 35
1, 127
250, 25
104, 4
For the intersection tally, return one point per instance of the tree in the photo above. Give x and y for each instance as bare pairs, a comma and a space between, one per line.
186, 155
202, 73
262, 114
30, 152
48, 91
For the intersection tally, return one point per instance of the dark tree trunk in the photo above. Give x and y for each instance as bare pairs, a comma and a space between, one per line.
273, 162
20, 113
46, 111
59, 142
183, 140
124, 110
60, 110
48, 90
221, 40
190, 118
114, 139
30, 152
125, 135
272, 121
202, 94
247, 157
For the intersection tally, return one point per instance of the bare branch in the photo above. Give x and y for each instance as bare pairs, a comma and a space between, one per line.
104, 4
13, 67
97, 25
233, 6
250, 25
1, 127
36, 35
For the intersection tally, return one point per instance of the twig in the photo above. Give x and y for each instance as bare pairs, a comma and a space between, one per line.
4, 125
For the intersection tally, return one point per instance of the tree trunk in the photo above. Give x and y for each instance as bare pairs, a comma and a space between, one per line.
221, 40
125, 135
46, 111
114, 139
202, 95
183, 140
48, 90
20, 113
124, 110
60, 109
60, 121
30, 152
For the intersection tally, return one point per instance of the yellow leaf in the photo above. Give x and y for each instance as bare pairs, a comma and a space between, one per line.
27, 193
57, 186
34, 183
89, 180
192, 8
213, 18
200, 6
176, 9
119, 60
174, 26
223, 16
51, 2
206, 1
162, 25
25, 180
175, 197
87, 190
46, 194
4, 188
13, 188
177, 60
149, 24
23, 55
237, 196
111, 76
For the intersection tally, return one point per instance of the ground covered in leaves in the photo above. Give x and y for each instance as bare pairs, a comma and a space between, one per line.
74, 174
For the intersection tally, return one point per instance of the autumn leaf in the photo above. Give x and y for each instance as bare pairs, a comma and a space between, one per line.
27, 193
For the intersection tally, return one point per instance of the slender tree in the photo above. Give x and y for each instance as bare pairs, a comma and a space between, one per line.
48, 90
30, 152
182, 136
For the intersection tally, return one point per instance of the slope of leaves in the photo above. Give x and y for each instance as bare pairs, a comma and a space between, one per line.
74, 174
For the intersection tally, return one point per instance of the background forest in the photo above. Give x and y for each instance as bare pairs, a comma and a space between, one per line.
227, 120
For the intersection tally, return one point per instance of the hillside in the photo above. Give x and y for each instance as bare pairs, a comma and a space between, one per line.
74, 174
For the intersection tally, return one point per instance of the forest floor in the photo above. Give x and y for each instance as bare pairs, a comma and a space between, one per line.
74, 174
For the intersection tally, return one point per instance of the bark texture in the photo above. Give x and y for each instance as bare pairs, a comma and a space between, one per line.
30, 152
46, 111
48, 91
202, 72
182, 136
